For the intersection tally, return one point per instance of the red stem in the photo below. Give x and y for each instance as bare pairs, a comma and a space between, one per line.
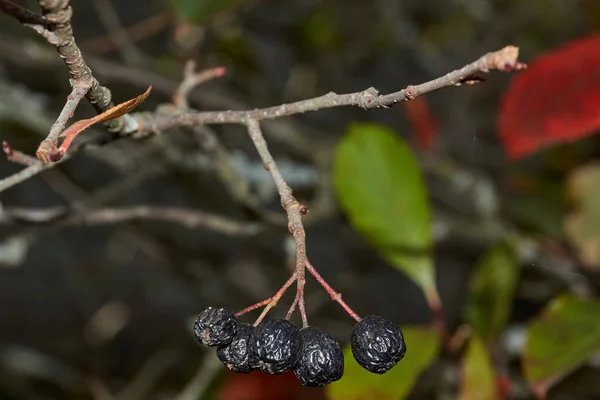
292, 308
270, 302
332, 293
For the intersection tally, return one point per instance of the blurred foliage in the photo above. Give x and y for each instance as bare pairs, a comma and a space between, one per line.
491, 292
583, 224
201, 11
564, 336
380, 187
478, 379
538, 205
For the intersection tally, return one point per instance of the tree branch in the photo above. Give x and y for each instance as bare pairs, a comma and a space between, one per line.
503, 60
292, 207
188, 218
58, 12
23, 15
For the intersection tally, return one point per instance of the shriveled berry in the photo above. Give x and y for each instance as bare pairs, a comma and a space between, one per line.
274, 346
235, 354
377, 344
215, 327
321, 358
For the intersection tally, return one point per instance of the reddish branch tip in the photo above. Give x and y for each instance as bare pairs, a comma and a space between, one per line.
219, 71
55, 155
516, 66
7, 149
303, 210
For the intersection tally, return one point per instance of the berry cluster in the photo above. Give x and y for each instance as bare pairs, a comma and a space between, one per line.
275, 346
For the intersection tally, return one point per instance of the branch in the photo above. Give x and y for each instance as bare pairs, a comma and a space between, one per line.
23, 15
49, 145
503, 60
58, 12
292, 207
188, 218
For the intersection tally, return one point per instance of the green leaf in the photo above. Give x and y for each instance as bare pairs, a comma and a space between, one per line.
200, 11
478, 378
563, 337
583, 225
379, 186
357, 383
492, 291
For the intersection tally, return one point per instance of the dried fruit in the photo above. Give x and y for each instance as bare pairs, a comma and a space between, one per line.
235, 354
215, 327
321, 358
274, 346
377, 344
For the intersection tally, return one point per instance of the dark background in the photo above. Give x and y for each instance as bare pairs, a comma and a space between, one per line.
85, 309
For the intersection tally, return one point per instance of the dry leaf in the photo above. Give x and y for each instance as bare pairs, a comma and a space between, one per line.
72, 131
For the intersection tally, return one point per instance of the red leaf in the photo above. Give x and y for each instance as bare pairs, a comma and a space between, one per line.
260, 386
556, 100
424, 124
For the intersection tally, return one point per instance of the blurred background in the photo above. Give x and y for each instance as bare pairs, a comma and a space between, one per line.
96, 310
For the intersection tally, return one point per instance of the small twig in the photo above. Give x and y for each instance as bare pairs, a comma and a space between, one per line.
206, 373
292, 308
18, 157
292, 207
136, 32
23, 15
157, 365
117, 33
270, 302
49, 145
26, 173
335, 296
503, 60
186, 217
191, 79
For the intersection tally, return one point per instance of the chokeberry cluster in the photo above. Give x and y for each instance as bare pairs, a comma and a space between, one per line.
276, 346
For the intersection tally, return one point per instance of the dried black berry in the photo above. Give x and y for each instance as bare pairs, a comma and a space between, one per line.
321, 358
274, 346
377, 344
215, 327
235, 354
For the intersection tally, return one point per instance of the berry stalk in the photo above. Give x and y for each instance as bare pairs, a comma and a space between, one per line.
335, 296
271, 301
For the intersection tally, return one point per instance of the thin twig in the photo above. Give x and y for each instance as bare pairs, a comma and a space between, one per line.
187, 218
23, 15
191, 79
292, 207
270, 302
49, 144
503, 60
292, 308
136, 32
206, 373
146, 378
18, 157
117, 33
335, 296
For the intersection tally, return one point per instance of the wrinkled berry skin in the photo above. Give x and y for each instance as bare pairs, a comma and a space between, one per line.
235, 354
377, 344
274, 346
321, 358
215, 327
